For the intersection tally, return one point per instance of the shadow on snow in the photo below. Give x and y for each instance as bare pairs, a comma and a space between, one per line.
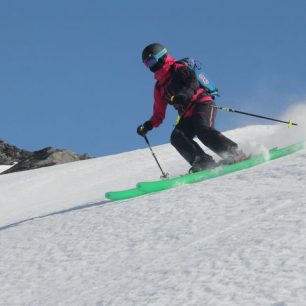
60, 212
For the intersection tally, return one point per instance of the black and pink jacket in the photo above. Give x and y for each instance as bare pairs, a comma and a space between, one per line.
176, 80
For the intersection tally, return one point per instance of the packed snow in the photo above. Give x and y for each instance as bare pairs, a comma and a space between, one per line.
233, 240
4, 167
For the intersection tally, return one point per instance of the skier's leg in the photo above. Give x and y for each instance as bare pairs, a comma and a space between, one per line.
182, 139
216, 141
203, 121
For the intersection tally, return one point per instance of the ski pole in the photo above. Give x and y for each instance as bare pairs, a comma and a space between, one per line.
290, 123
164, 175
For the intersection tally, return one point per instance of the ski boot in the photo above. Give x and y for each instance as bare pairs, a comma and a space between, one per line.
233, 156
202, 163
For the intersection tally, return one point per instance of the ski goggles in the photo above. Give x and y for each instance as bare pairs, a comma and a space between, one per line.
152, 59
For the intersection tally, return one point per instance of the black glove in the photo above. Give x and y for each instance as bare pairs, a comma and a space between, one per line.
143, 129
179, 99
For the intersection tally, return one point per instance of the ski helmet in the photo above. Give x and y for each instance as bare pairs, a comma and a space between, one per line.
153, 56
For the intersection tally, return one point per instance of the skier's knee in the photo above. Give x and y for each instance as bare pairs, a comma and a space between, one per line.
175, 137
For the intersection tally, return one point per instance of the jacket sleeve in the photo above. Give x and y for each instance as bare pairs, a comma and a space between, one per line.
189, 84
159, 108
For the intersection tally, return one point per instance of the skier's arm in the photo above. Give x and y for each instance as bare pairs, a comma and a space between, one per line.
189, 87
159, 112
159, 109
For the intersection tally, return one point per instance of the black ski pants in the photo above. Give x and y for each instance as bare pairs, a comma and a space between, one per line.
200, 124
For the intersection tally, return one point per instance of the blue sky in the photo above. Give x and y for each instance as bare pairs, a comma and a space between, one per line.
71, 74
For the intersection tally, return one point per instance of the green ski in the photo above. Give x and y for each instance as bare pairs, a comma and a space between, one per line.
155, 186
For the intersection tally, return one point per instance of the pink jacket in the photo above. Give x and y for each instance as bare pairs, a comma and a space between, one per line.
163, 79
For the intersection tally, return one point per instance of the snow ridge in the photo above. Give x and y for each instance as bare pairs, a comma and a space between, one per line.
234, 240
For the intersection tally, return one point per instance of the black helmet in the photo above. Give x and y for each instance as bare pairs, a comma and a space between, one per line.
154, 56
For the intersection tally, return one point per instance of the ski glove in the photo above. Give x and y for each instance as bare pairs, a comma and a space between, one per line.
143, 129
179, 99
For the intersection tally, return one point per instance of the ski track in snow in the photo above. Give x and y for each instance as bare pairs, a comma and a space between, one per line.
234, 240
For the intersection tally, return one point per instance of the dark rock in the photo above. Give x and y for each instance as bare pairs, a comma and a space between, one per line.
10, 154
26, 160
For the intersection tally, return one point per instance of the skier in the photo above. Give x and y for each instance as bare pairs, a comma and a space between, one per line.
177, 85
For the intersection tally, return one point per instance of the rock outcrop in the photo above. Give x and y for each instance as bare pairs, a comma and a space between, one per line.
10, 154
26, 160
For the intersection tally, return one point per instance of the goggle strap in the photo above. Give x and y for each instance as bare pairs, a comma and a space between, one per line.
160, 54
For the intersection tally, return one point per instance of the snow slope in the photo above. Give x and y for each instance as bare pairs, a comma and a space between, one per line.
234, 240
4, 167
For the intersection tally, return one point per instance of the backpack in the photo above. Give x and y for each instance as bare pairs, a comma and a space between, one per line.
203, 79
